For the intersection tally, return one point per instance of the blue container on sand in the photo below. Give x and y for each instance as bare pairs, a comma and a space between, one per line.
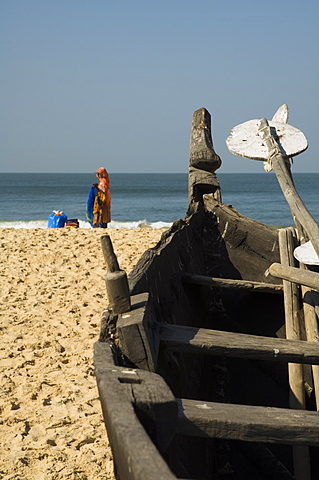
57, 219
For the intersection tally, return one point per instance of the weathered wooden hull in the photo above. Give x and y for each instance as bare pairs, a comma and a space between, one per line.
193, 381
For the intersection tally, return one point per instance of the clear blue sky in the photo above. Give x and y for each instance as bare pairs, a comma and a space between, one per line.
114, 83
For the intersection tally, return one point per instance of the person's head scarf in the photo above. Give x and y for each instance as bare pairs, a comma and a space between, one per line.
102, 173
103, 176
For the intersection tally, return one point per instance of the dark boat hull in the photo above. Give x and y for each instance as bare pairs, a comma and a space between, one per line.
193, 381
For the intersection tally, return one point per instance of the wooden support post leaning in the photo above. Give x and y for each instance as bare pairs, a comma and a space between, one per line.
295, 370
115, 279
283, 174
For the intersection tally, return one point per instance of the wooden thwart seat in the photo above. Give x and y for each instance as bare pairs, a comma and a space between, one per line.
215, 342
247, 423
230, 283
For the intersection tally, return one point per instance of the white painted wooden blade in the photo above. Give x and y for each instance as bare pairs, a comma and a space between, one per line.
245, 141
282, 114
306, 254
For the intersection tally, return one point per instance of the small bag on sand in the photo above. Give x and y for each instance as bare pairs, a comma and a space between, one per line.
72, 223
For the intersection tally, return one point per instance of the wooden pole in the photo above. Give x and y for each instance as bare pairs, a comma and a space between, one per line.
108, 253
115, 280
295, 371
312, 331
292, 311
282, 171
296, 275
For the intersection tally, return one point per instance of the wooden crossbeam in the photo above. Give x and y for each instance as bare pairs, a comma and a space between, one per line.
295, 275
215, 342
230, 283
247, 423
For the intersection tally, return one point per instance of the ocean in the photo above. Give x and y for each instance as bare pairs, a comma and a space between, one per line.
145, 200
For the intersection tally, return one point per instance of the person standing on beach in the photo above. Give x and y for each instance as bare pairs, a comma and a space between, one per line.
98, 206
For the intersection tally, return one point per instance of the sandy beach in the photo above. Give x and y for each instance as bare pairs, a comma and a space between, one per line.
52, 295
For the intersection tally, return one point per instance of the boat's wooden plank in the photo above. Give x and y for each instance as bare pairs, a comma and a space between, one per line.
136, 339
247, 247
215, 342
230, 283
129, 427
296, 275
248, 423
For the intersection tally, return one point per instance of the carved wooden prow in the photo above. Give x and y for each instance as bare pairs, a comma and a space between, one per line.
203, 161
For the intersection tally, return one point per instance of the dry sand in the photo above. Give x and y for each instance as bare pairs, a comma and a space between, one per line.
52, 295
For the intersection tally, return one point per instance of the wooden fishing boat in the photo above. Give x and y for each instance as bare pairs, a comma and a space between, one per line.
201, 373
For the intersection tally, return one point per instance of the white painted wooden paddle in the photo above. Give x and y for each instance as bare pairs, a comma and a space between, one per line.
306, 254
245, 141
274, 142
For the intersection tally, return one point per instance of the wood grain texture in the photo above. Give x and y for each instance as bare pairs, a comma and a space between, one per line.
230, 283
136, 456
215, 342
248, 423
296, 275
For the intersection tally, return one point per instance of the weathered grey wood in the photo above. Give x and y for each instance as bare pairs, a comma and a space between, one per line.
135, 455
230, 283
311, 300
137, 334
203, 160
248, 423
115, 279
282, 170
292, 318
296, 275
203, 242
118, 292
297, 399
108, 253
311, 324
312, 330
215, 342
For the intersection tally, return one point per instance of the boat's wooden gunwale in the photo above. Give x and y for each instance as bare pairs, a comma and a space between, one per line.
122, 391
